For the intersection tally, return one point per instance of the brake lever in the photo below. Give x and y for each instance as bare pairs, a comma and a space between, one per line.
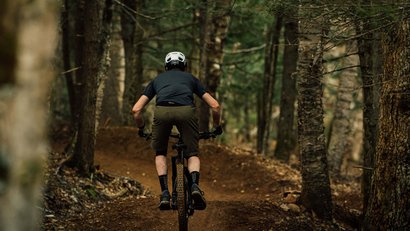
206, 135
147, 136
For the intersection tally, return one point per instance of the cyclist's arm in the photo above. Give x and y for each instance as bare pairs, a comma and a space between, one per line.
137, 110
216, 109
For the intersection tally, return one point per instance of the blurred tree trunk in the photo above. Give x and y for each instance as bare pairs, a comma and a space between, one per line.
97, 21
212, 51
342, 125
203, 112
27, 47
132, 35
67, 50
220, 25
286, 142
370, 101
111, 105
193, 62
316, 194
72, 45
389, 203
269, 77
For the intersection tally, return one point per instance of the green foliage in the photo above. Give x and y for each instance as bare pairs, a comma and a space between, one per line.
166, 29
92, 192
243, 70
282, 7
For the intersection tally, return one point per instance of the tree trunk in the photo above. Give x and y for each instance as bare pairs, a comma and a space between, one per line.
194, 61
97, 21
271, 57
27, 47
72, 45
203, 112
260, 121
132, 35
370, 113
111, 105
67, 50
316, 195
342, 125
389, 201
77, 83
212, 51
220, 22
286, 141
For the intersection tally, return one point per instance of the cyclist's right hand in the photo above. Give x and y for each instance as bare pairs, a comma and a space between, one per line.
207, 135
218, 130
141, 133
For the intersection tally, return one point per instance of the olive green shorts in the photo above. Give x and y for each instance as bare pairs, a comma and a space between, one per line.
185, 120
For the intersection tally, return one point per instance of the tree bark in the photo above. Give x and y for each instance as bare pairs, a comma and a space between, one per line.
342, 125
269, 79
194, 61
97, 21
77, 82
132, 35
220, 25
111, 106
389, 201
316, 195
67, 50
286, 141
203, 112
214, 52
370, 99
27, 47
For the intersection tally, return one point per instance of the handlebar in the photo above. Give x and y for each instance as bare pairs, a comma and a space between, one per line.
202, 135
206, 135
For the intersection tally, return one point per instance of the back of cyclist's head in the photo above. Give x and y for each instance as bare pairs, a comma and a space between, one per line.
175, 60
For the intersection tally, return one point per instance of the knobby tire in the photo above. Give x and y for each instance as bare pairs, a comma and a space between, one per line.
181, 198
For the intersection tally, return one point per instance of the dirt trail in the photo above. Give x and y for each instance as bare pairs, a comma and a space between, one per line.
243, 191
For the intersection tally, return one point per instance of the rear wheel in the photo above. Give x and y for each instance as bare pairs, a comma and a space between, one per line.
181, 198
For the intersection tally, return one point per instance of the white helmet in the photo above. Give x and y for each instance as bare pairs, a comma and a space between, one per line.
175, 59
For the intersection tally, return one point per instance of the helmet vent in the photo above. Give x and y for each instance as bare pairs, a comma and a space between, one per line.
175, 59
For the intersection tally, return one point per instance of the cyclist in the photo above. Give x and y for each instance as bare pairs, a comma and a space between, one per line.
175, 105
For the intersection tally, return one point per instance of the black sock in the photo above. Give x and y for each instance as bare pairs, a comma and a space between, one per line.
195, 177
163, 181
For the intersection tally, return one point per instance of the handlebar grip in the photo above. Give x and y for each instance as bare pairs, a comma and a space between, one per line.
206, 135
147, 136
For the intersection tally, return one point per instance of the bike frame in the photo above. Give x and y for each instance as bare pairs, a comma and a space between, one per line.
181, 180
181, 188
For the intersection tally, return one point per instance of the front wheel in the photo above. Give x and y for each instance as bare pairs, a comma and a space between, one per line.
181, 198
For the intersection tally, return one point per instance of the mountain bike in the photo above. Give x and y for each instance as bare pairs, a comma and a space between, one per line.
181, 180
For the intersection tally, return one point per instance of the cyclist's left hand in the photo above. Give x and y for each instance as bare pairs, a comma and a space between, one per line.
218, 130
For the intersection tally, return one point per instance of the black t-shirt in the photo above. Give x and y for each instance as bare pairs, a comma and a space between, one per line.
176, 87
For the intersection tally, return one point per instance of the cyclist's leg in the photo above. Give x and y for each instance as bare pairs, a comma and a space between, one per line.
160, 134
187, 125
194, 163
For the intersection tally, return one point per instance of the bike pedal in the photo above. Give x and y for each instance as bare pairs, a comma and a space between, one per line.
191, 211
164, 205
199, 202
174, 205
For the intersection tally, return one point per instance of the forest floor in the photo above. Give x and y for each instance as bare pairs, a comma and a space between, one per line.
244, 191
